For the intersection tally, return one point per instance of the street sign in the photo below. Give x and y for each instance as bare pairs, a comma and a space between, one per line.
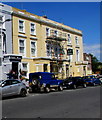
70, 52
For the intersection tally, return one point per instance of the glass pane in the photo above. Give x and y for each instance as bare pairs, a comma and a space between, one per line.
21, 42
33, 44
24, 65
33, 51
21, 49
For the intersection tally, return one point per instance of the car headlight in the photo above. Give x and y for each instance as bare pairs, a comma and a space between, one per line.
44, 84
70, 83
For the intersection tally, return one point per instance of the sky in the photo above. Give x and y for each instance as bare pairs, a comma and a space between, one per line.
84, 16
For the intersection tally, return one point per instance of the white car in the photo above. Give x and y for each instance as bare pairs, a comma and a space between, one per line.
12, 87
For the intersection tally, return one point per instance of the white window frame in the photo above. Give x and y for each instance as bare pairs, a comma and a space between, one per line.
55, 33
34, 28
3, 19
69, 39
23, 54
23, 26
50, 50
77, 55
35, 48
1, 22
27, 70
47, 33
76, 40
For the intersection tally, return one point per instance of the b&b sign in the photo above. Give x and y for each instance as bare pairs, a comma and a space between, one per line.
70, 52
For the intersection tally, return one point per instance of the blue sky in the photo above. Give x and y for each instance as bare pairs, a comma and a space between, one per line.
84, 16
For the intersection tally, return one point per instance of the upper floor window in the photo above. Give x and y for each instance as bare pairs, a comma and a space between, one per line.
77, 55
76, 40
2, 23
33, 48
47, 32
21, 26
22, 48
32, 29
60, 34
64, 34
69, 38
55, 33
48, 47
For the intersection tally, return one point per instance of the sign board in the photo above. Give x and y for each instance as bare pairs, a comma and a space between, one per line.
70, 52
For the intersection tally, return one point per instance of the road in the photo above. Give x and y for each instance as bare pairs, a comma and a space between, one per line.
79, 103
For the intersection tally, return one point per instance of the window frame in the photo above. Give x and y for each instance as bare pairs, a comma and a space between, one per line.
35, 48
47, 33
23, 54
77, 55
69, 39
19, 26
25, 70
76, 40
50, 50
34, 28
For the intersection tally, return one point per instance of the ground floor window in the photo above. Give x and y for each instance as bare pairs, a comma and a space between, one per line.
24, 70
45, 67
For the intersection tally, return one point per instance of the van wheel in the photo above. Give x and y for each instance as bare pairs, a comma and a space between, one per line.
74, 86
34, 81
23, 93
60, 88
84, 85
47, 89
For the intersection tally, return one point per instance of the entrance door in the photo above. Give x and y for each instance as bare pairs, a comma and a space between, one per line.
45, 67
15, 69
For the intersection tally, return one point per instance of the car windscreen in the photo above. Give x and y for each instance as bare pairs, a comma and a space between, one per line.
35, 76
67, 80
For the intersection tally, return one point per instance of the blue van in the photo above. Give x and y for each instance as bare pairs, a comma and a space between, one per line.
44, 82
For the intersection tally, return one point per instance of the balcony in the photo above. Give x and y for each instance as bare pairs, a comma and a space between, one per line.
81, 62
53, 37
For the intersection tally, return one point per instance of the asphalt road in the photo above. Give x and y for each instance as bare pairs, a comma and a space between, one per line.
80, 103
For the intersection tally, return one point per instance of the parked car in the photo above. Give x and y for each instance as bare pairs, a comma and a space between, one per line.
26, 82
92, 80
74, 82
100, 77
12, 87
44, 82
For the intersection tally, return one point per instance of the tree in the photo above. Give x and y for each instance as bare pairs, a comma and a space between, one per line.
95, 63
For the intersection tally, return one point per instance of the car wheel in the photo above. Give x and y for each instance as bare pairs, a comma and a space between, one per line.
47, 89
94, 84
34, 82
74, 86
23, 93
84, 85
60, 88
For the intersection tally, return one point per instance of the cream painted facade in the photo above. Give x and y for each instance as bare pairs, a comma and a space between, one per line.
44, 43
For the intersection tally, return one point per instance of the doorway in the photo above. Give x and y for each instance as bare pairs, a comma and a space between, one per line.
15, 69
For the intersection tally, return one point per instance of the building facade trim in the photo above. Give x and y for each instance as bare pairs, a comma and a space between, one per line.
47, 23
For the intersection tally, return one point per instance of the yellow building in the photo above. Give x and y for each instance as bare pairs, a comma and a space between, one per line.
45, 45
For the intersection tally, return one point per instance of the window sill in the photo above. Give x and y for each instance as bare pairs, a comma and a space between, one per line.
21, 32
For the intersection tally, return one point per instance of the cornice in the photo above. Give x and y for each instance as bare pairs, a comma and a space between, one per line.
6, 12
47, 23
